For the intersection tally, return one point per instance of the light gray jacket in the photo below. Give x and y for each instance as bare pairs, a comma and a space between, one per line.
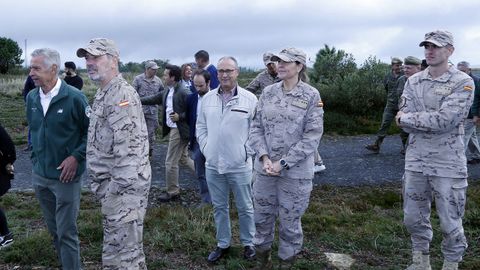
222, 131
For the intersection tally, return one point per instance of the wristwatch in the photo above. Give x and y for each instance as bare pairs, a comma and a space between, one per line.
284, 164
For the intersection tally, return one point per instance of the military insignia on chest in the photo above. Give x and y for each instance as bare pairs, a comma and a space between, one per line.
443, 90
300, 103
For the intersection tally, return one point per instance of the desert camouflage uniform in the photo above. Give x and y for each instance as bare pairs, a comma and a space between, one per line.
435, 163
286, 126
119, 171
262, 80
145, 88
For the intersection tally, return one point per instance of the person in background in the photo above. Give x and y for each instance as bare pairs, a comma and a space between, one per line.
187, 76
28, 86
175, 125
201, 81
148, 84
266, 77
391, 107
71, 76
472, 148
58, 117
433, 107
202, 59
285, 134
410, 67
7, 158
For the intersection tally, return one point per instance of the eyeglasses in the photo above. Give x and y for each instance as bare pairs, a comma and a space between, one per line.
226, 71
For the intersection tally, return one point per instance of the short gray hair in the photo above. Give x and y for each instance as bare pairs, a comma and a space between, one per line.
464, 63
51, 57
229, 58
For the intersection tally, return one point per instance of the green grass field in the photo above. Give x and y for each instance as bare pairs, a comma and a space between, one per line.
364, 222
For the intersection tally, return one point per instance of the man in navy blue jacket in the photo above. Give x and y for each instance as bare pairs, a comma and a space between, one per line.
201, 80
202, 58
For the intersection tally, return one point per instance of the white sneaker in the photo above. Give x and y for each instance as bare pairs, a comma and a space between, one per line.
319, 168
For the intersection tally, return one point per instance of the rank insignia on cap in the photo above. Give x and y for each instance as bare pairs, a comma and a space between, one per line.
123, 103
320, 104
468, 88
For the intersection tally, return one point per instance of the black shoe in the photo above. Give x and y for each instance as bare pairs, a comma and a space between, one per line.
217, 254
167, 197
373, 147
248, 253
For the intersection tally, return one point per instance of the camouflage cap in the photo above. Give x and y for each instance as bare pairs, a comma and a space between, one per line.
441, 38
151, 64
412, 60
267, 58
98, 47
290, 55
396, 60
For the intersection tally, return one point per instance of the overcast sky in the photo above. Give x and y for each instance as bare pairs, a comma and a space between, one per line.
176, 29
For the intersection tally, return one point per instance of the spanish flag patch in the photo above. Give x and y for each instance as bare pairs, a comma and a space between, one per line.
123, 103
320, 104
468, 88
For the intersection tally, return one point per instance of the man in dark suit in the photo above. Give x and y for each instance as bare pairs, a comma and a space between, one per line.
174, 123
201, 80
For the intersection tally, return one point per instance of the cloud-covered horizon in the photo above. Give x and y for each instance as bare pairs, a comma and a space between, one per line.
175, 30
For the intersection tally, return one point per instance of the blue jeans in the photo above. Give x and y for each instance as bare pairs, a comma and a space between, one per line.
241, 185
60, 204
199, 161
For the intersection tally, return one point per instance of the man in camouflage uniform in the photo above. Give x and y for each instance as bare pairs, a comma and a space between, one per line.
472, 148
433, 107
391, 108
264, 78
148, 84
410, 67
117, 157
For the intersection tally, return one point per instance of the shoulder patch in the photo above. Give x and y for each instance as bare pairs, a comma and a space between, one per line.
467, 88
320, 104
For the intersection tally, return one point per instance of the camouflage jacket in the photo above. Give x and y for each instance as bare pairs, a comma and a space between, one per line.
148, 87
262, 80
117, 146
434, 111
288, 126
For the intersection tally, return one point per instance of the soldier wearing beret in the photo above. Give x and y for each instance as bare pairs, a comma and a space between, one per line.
433, 107
285, 134
391, 108
117, 157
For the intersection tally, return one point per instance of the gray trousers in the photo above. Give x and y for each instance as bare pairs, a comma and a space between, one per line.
60, 204
450, 199
472, 148
286, 199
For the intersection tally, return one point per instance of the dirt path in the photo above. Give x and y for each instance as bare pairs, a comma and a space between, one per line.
348, 164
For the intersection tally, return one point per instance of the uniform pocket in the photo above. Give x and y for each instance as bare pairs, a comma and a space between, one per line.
458, 199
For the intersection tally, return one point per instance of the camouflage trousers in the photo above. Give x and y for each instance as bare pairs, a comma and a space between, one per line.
123, 217
450, 198
388, 116
286, 199
152, 125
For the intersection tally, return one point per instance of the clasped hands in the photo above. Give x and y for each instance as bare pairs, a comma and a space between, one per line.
271, 168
